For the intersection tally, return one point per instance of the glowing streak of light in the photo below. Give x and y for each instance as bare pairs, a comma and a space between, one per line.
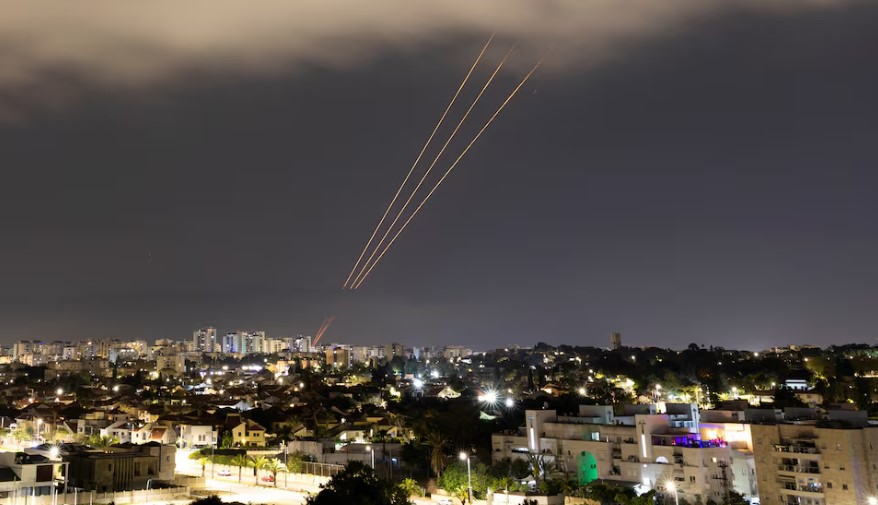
329, 321
430, 168
462, 154
417, 160
323, 327
320, 329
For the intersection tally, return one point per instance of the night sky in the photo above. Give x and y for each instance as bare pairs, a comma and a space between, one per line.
676, 173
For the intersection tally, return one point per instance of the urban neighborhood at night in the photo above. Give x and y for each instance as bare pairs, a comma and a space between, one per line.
456, 252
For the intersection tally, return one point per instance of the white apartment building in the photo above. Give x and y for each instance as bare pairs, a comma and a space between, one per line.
194, 436
642, 448
244, 342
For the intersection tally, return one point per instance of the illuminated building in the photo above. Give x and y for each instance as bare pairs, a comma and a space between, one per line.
641, 447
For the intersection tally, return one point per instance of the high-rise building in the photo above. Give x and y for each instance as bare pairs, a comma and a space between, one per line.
252, 342
204, 340
616, 340
338, 356
244, 342
232, 343
817, 462
300, 344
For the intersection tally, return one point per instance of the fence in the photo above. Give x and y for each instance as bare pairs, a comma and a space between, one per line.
91, 497
321, 469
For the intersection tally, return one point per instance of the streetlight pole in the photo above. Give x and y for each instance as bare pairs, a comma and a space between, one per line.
672, 487
469, 475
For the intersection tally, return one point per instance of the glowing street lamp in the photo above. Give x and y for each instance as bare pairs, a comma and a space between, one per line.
469, 475
510, 403
418, 383
672, 487
872, 500
371, 450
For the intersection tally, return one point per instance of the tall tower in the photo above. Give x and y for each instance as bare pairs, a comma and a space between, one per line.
204, 339
616, 340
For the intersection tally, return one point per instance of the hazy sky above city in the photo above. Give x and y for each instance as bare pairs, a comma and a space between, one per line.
679, 171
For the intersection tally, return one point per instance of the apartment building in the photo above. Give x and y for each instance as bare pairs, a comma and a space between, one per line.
804, 460
122, 468
642, 447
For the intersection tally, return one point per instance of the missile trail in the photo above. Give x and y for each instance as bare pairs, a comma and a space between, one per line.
418, 159
430, 168
320, 330
448, 171
327, 323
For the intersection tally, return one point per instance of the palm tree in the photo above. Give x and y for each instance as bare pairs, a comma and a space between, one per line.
274, 466
241, 460
102, 442
411, 487
257, 463
203, 461
438, 460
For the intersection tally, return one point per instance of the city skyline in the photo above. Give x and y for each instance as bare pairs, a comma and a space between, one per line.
694, 175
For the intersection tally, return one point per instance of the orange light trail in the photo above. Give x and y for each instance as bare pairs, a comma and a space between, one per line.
448, 171
399, 214
417, 160
327, 321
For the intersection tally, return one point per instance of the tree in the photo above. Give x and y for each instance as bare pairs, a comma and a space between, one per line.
23, 435
411, 487
456, 481
203, 461
438, 460
241, 461
257, 463
357, 484
213, 500
274, 466
102, 442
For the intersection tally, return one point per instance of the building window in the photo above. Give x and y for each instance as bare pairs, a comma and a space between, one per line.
841, 468
844, 487
829, 485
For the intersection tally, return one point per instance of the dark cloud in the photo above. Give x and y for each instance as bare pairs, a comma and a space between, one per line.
711, 181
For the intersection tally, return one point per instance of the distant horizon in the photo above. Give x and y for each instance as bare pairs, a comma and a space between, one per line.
474, 348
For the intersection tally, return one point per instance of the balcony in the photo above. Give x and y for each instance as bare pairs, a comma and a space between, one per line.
797, 449
799, 469
814, 487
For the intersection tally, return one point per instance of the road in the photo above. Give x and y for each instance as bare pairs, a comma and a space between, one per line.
233, 491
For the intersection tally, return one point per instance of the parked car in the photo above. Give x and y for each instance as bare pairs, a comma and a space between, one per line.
224, 472
268, 478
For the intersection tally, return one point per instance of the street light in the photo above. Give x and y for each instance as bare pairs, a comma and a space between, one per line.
469, 475
372, 450
672, 487
872, 500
